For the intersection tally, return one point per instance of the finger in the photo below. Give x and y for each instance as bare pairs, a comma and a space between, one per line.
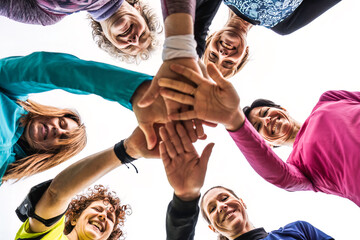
215, 74
188, 73
150, 135
164, 156
174, 137
199, 128
204, 159
203, 137
151, 94
185, 139
176, 85
169, 146
177, 97
188, 115
188, 124
209, 124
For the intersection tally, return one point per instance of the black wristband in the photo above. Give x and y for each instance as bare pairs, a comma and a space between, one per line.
122, 155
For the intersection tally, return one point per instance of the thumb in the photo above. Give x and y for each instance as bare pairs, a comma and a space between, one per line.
204, 159
150, 135
216, 75
151, 94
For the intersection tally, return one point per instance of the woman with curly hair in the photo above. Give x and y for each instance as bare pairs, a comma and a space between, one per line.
127, 30
49, 212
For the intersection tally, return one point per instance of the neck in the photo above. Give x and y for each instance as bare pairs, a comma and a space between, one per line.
238, 23
72, 235
291, 140
247, 228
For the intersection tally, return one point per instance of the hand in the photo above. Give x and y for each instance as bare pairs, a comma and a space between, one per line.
184, 169
214, 102
172, 107
135, 145
148, 116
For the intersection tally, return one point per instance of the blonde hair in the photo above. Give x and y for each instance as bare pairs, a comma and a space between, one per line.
40, 161
152, 21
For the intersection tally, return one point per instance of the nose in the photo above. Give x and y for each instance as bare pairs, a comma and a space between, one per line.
222, 207
133, 39
265, 120
223, 51
102, 217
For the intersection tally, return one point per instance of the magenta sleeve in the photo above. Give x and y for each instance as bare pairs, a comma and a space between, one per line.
340, 95
266, 163
178, 6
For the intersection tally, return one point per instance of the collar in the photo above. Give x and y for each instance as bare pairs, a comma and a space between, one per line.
256, 234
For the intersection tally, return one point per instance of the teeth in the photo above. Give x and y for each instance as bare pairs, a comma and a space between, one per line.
97, 225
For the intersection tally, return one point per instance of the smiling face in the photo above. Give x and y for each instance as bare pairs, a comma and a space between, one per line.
96, 221
226, 50
43, 133
226, 213
127, 30
273, 124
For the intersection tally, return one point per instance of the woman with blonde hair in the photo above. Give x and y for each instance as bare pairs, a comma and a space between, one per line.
52, 210
34, 137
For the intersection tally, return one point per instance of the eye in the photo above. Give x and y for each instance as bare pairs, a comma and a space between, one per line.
110, 217
266, 112
223, 199
126, 31
211, 209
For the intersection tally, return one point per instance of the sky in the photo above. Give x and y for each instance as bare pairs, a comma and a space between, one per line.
291, 70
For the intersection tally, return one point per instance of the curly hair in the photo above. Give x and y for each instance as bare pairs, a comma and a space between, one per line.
98, 192
152, 21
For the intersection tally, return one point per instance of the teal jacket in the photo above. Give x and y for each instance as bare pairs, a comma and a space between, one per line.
44, 71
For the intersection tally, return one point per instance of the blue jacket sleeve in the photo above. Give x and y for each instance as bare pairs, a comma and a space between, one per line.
45, 71
309, 231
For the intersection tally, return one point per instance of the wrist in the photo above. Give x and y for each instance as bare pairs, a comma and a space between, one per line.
139, 92
188, 196
178, 24
235, 121
130, 150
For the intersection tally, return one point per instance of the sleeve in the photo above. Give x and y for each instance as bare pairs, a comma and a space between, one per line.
178, 6
205, 13
181, 219
310, 232
266, 163
340, 95
45, 71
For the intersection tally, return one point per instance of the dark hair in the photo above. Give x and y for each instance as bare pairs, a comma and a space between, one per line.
259, 103
98, 192
203, 213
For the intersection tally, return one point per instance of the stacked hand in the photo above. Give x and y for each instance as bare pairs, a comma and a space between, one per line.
152, 95
214, 102
184, 168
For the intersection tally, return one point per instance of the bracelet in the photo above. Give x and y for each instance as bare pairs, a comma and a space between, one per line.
179, 46
122, 155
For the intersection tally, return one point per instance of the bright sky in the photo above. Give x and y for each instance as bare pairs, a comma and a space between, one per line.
292, 70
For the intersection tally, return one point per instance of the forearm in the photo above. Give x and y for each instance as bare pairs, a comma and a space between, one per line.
74, 179
42, 71
266, 163
170, 7
181, 219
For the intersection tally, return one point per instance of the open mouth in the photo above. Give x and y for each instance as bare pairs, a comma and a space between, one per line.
228, 215
227, 45
97, 226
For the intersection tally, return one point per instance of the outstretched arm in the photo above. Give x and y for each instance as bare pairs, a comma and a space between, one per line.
185, 171
81, 174
218, 102
45, 71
